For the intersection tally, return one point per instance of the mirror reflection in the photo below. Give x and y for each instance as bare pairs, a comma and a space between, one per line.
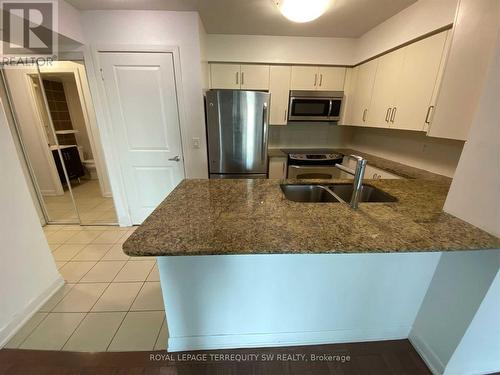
57, 125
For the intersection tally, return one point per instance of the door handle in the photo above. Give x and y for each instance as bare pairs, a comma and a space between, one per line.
285, 116
264, 132
315, 79
320, 80
364, 114
393, 114
387, 114
427, 120
242, 78
175, 158
237, 74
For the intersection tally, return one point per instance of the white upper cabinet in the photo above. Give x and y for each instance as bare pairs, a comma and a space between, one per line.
361, 92
279, 87
234, 76
384, 89
475, 37
417, 81
225, 76
396, 90
321, 78
304, 78
254, 77
331, 78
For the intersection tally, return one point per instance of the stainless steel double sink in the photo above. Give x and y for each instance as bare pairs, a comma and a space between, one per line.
333, 193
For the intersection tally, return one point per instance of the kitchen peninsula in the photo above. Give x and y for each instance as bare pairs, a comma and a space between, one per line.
242, 266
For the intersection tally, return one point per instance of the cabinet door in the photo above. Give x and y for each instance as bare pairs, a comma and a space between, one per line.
279, 87
384, 89
277, 167
304, 78
254, 77
331, 78
350, 83
362, 92
373, 173
225, 76
417, 80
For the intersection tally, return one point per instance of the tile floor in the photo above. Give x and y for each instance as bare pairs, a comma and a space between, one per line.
92, 207
110, 301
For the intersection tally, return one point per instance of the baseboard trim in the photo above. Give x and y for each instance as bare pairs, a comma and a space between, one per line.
186, 343
29, 310
428, 355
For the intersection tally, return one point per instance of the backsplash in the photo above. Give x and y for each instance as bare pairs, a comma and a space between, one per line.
304, 135
415, 149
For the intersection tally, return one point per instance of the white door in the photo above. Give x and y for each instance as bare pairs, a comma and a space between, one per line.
362, 92
418, 79
331, 78
142, 101
225, 76
384, 88
254, 77
279, 87
304, 78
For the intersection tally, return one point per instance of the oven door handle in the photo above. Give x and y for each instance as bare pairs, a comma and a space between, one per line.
312, 166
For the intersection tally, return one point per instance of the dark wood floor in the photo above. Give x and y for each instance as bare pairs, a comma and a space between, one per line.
382, 357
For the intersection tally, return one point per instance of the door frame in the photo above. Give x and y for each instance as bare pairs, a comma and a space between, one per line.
104, 122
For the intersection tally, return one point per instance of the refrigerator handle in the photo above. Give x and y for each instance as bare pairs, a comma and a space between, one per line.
264, 132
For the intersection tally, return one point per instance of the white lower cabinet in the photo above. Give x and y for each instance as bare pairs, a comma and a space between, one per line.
277, 167
371, 172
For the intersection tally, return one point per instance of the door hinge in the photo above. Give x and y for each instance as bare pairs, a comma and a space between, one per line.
102, 74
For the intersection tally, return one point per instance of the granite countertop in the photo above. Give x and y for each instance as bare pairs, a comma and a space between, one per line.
214, 217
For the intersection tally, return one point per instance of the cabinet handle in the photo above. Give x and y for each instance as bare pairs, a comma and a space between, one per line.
242, 78
315, 79
284, 118
393, 114
427, 121
237, 74
364, 114
320, 80
387, 114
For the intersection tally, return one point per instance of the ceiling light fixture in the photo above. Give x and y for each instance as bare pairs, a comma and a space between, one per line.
302, 10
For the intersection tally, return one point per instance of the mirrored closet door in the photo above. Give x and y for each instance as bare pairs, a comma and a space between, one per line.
56, 124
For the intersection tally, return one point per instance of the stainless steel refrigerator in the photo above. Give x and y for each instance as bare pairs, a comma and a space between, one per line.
237, 124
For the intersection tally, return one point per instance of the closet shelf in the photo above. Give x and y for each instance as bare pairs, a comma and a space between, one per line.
66, 131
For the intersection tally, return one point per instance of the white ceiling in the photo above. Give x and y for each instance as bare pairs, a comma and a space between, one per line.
345, 18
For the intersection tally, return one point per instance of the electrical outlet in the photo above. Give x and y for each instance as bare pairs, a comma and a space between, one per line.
196, 142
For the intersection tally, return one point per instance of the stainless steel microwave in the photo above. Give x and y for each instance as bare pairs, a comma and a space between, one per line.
315, 105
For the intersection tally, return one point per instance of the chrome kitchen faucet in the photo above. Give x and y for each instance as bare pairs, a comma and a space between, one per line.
358, 173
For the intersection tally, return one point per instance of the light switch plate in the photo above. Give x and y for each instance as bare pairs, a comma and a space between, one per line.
196, 142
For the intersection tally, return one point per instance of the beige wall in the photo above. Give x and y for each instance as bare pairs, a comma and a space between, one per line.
411, 148
28, 275
422, 17
475, 192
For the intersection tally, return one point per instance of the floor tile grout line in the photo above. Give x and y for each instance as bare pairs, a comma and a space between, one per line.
159, 332
126, 313
33, 330
86, 314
